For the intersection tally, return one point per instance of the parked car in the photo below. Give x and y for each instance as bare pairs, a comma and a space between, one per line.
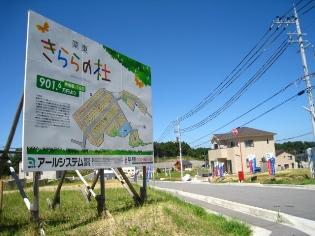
258, 169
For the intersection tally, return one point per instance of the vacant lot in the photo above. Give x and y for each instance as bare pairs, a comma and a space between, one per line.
162, 214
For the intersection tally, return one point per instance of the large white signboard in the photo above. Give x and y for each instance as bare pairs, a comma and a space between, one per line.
86, 106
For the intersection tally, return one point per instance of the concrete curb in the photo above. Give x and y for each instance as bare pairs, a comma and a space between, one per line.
304, 187
302, 224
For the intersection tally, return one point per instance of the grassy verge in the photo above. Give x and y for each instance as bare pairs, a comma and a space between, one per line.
292, 176
174, 176
162, 214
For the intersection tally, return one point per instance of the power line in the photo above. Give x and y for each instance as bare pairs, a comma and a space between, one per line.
306, 11
165, 132
275, 107
253, 108
305, 5
268, 111
236, 72
298, 136
213, 94
241, 91
201, 144
288, 11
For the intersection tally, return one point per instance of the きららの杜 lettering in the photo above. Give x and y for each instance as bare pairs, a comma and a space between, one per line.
68, 59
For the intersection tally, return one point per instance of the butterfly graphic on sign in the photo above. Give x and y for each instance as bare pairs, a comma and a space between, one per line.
43, 28
139, 83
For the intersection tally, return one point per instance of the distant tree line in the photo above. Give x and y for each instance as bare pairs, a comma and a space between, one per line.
294, 147
171, 149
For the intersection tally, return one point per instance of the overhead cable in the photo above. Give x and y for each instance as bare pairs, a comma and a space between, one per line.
268, 111
280, 50
250, 110
298, 136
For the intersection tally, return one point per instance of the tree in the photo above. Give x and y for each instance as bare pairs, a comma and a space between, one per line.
296, 147
171, 149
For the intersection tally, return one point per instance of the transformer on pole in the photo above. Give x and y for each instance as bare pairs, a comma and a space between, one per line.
296, 21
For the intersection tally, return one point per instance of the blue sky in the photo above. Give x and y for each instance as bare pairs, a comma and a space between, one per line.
190, 45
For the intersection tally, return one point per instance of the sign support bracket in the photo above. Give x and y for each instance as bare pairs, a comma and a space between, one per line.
6, 151
136, 196
56, 200
93, 185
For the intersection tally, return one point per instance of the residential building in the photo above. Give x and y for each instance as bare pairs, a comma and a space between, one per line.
285, 160
187, 165
302, 160
164, 166
228, 149
198, 164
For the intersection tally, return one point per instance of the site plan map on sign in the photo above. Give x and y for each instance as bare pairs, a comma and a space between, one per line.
86, 106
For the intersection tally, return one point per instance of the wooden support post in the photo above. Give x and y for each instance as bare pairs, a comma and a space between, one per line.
101, 198
56, 199
93, 185
19, 186
136, 196
143, 189
122, 181
85, 183
1, 198
35, 205
11, 134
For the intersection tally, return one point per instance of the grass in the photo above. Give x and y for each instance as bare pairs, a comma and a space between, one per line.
175, 175
162, 214
290, 176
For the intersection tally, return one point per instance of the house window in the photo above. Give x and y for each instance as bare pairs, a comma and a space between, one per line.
267, 141
249, 143
232, 144
215, 146
290, 157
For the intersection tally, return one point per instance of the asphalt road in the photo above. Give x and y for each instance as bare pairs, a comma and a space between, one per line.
292, 201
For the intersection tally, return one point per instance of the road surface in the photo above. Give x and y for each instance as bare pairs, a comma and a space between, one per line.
293, 201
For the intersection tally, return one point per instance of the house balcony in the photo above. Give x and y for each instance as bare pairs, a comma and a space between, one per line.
223, 153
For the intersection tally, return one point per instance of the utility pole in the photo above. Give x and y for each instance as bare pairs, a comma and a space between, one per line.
305, 69
180, 149
296, 21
